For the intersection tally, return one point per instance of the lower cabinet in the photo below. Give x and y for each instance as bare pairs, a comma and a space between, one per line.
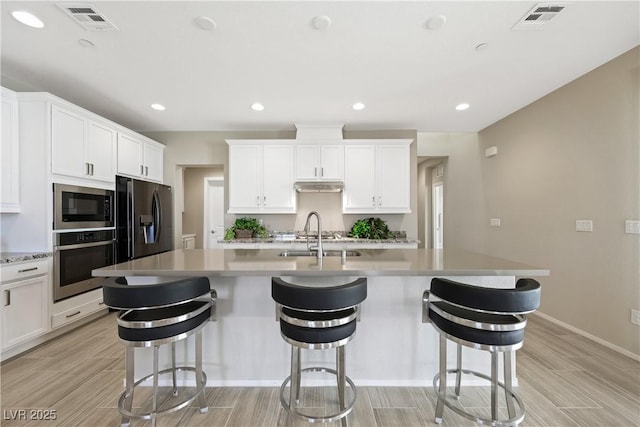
24, 311
75, 308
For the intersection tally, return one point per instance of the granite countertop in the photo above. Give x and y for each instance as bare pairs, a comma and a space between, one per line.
314, 240
268, 262
11, 257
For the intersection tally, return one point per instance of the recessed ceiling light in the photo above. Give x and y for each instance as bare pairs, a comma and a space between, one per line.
158, 107
436, 22
206, 23
462, 107
321, 22
85, 43
358, 106
27, 18
257, 106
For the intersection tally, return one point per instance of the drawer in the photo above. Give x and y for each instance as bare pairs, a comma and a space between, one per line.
77, 312
23, 270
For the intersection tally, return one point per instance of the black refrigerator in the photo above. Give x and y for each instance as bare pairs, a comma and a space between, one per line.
144, 220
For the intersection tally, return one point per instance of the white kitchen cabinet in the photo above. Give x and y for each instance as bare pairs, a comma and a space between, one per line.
377, 176
188, 241
81, 147
25, 288
319, 162
261, 177
140, 158
9, 154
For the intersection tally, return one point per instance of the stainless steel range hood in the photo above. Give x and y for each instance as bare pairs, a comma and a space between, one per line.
319, 187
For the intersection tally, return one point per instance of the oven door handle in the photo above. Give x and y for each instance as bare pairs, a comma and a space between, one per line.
83, 245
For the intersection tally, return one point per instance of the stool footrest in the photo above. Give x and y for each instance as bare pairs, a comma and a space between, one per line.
513, 421
183, 403
314, 418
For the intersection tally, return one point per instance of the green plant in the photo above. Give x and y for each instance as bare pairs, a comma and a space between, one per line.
246, 223
370, 228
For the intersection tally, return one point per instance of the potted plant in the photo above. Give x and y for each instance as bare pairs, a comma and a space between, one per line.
370, 228
245, 228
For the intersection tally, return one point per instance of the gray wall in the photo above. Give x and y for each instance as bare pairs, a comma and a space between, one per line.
193, 209
574, 154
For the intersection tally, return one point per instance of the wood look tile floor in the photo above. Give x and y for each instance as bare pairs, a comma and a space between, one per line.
565, 380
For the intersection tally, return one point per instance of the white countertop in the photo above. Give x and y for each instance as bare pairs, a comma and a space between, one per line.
267, 262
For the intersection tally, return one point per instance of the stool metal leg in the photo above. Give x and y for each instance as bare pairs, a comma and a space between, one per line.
199, 376
442, 389
508, 383
494, 385
341, 376
128, 362
294, 387
173, 366
155, 386
458, 370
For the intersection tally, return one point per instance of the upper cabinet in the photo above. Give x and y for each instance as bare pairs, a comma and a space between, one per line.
261, 177
140, 158
9, 154
377, 176
81, 147
319, 162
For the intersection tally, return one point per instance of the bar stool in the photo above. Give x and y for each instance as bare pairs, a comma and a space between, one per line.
155, 314
316, 316
486, 319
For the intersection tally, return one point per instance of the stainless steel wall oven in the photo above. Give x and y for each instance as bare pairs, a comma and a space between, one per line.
75, 255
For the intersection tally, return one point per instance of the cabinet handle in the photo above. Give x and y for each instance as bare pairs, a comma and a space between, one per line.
315, 171
321, 172
28, 269
264, 200
257, 200
379, 200
141, 170
373, 199
69, 316
91, 164
8, 303
87, 168
146, 171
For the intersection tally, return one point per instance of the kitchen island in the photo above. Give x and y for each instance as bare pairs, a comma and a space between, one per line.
392, 345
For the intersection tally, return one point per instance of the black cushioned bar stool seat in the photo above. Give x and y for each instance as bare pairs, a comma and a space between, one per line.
155, 314
318, 317
486, 319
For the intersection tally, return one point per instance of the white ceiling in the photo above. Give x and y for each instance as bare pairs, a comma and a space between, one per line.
378, 53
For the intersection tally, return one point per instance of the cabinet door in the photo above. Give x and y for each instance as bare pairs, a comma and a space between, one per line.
101, 144
9, 155
245, 168
24, 311
307, 162
67, 143
153, 159
129, 153
278, 194
332, 162
359, 179
393, 179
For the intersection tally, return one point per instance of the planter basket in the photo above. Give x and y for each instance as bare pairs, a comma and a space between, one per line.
243, 234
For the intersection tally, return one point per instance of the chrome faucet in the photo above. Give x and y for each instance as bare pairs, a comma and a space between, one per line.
306, 230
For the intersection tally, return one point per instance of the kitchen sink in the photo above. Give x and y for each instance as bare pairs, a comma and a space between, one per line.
324, 253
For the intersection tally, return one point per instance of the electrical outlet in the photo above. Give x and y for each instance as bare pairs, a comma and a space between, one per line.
584, 225
494, 222
635, 317
632, 227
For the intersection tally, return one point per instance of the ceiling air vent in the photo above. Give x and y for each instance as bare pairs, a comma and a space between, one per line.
541, 14
87, 16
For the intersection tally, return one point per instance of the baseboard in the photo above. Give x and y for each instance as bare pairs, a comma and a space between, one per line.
605, 343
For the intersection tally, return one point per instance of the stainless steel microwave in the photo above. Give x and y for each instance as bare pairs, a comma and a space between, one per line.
78, 207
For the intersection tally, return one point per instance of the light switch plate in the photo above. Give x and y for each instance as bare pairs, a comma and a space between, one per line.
632, 227
494, 222
584, 225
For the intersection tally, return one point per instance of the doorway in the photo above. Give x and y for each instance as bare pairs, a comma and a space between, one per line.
431, 201
213, 215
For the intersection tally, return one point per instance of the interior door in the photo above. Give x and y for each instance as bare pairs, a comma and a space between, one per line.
213, 212
438, 217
